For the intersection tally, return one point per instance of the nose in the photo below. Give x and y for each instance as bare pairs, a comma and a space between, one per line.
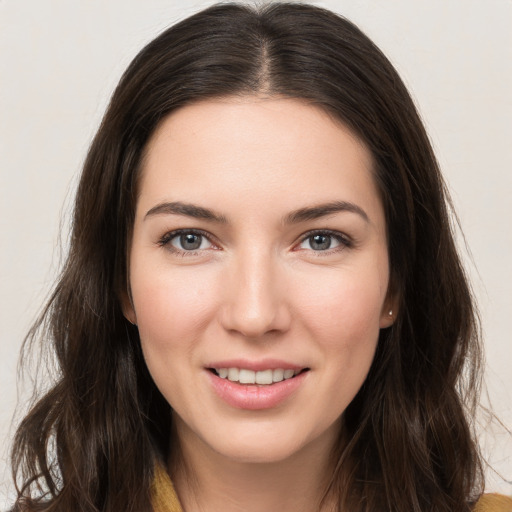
255, 298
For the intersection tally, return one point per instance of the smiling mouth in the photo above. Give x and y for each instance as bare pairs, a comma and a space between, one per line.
262, 377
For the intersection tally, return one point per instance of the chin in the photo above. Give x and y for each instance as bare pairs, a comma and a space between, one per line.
270, 443
259, 453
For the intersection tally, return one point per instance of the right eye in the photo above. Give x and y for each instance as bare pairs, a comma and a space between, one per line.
189, 242
186, 242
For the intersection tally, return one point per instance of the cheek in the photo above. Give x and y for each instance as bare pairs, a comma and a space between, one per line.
343, 308
342, 317
171, 306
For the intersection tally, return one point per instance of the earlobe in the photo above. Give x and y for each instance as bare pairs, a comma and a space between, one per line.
388, 313
386, 319
127, 307
129, 314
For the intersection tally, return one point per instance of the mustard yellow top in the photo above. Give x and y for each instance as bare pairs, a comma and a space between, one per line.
491, 503
164, 497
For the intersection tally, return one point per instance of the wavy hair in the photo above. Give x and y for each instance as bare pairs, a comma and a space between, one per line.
91, 441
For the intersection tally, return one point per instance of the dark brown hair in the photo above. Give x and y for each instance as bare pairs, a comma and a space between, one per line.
91, 441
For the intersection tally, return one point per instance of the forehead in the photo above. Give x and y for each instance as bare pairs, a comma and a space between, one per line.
255, 151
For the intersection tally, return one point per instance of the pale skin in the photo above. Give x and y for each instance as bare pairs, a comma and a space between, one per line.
282, 256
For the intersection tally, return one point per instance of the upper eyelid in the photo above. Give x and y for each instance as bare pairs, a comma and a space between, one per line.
175, 232
336, 234
327, 231
167, 237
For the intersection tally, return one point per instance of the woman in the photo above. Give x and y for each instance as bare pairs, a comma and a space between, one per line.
262, 301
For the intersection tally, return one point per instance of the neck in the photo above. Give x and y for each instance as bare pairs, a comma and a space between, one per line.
206, 481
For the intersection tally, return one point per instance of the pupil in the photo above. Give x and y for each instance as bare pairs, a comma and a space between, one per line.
320, 242
190, 241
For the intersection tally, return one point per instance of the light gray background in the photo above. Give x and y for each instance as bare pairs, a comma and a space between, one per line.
60, 60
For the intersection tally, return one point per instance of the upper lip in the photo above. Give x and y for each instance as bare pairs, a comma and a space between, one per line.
260, 365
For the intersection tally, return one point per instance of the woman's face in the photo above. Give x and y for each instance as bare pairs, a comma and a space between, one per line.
258, 274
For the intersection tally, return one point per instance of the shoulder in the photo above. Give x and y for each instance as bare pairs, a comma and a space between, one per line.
493, 503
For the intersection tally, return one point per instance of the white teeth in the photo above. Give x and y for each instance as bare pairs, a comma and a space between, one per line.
262, 377
223, 372
247, 377
288, 374
278, 375
233, 374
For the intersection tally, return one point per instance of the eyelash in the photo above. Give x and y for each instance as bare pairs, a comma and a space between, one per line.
344, 241
165, 241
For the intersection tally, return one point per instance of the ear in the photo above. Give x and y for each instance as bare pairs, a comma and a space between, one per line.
389, 311
127, 306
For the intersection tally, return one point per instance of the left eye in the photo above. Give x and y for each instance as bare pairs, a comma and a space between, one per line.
189, 241
321, 242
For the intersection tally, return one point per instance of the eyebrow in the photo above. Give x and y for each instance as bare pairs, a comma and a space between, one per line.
322, 210
295, 217
188, 210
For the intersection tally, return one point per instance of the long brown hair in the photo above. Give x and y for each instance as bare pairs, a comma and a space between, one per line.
91, 441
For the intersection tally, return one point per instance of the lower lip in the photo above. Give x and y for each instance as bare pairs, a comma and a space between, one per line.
253, 396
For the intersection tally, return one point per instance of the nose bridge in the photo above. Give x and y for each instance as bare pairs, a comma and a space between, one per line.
255, 303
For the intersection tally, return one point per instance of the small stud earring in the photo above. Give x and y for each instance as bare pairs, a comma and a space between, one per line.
390, 313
